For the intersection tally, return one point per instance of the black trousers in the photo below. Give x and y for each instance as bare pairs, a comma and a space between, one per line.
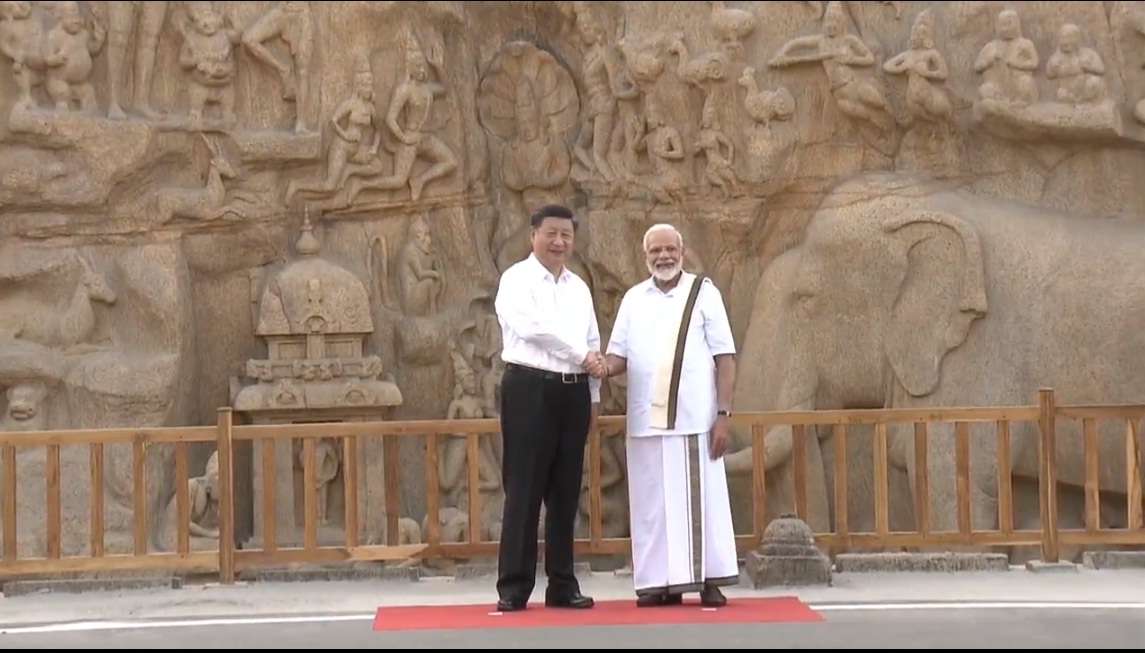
544, 426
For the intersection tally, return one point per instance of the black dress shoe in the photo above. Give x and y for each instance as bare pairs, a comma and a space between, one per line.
651, 600
577, 601
712, 597
656, 600
506, 605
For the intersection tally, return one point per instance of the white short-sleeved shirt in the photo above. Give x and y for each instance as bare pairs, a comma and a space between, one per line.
638, 336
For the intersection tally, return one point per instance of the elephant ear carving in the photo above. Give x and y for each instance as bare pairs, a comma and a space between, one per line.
942, 292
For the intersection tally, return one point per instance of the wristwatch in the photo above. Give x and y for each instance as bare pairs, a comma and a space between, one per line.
723, 413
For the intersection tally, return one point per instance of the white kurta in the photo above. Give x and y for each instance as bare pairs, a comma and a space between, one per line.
682, 534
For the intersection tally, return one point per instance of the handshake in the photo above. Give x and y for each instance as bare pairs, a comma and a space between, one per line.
595, 364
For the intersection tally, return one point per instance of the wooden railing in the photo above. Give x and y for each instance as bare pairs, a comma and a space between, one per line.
228, 559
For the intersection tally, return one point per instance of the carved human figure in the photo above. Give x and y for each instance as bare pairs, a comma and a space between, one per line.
533, 158
328, 461
1079, 70
467, 403
68, 53
706, 71
840, 52
926, 70
407, 119
487, 335
122, 17
293, 23
421, 276
604, 85
354, 147
665, 151
719, 153
203, 495
491, 387
21, 42
1008, 63
208, 57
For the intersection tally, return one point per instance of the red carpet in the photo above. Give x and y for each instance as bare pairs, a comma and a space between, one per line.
780, 609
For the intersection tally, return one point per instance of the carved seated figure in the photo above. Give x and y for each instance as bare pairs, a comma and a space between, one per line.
203, 500
1079, 70
421, 275
1008, 63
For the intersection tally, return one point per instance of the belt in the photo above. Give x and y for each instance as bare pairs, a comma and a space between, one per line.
563, 377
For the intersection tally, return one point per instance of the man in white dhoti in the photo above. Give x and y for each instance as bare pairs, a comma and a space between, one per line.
680, 383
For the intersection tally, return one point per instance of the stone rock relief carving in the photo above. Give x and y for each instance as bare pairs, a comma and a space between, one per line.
1010, 100
1079, 70
408, 121
926, 72
421, 275
604, 84
764, 146
205, 203
840, 54
292, 23
203, 511
453, 515
315, 316
731, 27
355, 140
994, 260
63, 362
145, 19
666, 152
21, 37
527, 101
1007, 64
327, 466
208, 58
64, 323
719, 153
68, 53
742, 178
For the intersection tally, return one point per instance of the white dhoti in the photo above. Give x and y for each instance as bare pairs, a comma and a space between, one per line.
682, 535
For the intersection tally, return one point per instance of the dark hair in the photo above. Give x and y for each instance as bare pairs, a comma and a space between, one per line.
552, 211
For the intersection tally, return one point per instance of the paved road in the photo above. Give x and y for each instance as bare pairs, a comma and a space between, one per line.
932, 625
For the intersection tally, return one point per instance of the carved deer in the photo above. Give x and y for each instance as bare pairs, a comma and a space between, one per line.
205, 203
66, 325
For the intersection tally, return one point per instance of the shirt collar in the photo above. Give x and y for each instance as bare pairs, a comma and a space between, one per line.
544, 273
684, 282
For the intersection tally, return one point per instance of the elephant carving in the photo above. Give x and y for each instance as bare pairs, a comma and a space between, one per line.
910, 293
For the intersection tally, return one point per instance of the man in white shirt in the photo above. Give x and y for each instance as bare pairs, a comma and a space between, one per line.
680, 383
551, 344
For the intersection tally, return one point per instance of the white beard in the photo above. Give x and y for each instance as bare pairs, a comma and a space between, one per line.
666, 274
